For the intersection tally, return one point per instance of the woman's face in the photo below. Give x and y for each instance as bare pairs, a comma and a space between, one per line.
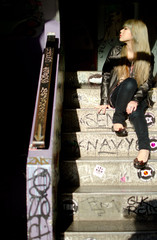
125, 35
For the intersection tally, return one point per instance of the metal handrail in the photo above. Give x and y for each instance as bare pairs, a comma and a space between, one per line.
39, 136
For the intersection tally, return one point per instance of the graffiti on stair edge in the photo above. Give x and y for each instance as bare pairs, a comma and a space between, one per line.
97, 120
100, 146
142, 207
101, 208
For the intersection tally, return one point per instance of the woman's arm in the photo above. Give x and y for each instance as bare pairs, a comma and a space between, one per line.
145, 87
106, 73
108, 67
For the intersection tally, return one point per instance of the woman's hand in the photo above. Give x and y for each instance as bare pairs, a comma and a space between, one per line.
131, 107
102, 108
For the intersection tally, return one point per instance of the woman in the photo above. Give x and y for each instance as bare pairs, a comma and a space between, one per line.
127, 78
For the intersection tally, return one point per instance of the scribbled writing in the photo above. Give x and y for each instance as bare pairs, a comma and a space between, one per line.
38, 160
102, 207
94, 120
141, 206
100, 146
39, 207
44, 91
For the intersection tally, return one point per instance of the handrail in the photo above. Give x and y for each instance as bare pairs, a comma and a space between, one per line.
43, 155
39, 136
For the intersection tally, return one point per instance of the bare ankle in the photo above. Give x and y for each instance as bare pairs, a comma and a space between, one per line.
143, 155
117, 126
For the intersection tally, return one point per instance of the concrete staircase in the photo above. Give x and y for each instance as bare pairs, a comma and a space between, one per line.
102, 196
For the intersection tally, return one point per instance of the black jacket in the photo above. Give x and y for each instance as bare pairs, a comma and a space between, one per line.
110, 80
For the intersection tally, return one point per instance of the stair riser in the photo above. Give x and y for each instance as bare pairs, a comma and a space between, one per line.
101, 206
75, 79
102, 144
90, 120
81, 98
84, 98
82, 173
109, 236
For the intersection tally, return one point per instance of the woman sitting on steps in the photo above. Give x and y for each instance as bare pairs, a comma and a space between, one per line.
127, 78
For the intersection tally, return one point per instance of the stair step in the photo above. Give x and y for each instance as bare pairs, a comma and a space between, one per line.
105, 171
110, 230
81, 144
81, 78
102, 196
87, 97
88, 119
82, 98
101, 203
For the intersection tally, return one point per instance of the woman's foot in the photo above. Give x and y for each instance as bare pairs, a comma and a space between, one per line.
142, 159
119, 129
117, 126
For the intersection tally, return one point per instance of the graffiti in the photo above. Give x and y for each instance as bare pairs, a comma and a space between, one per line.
96, 144
96, 206
99, 145
141, 206
96, 120
38, 160
49, 52
86, 173
93, 120
101, 208
43, 99
106, 145
83, 98
104, 173
39, 207
123, 179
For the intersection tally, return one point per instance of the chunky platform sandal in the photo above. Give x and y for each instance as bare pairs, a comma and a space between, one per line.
121, 132
139, 164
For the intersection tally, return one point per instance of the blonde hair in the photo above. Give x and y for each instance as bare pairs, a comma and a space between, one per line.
142, 53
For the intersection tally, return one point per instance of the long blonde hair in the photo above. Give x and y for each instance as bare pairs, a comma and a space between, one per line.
142, 53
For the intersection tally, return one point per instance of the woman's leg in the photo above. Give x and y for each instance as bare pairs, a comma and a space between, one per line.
137, 118
121, 96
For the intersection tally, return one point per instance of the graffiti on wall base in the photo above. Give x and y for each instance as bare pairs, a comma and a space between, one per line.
39, 209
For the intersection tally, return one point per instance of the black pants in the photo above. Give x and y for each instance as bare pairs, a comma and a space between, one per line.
121, 96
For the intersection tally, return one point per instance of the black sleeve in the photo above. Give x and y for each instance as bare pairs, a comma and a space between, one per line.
110, 63
146, 86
